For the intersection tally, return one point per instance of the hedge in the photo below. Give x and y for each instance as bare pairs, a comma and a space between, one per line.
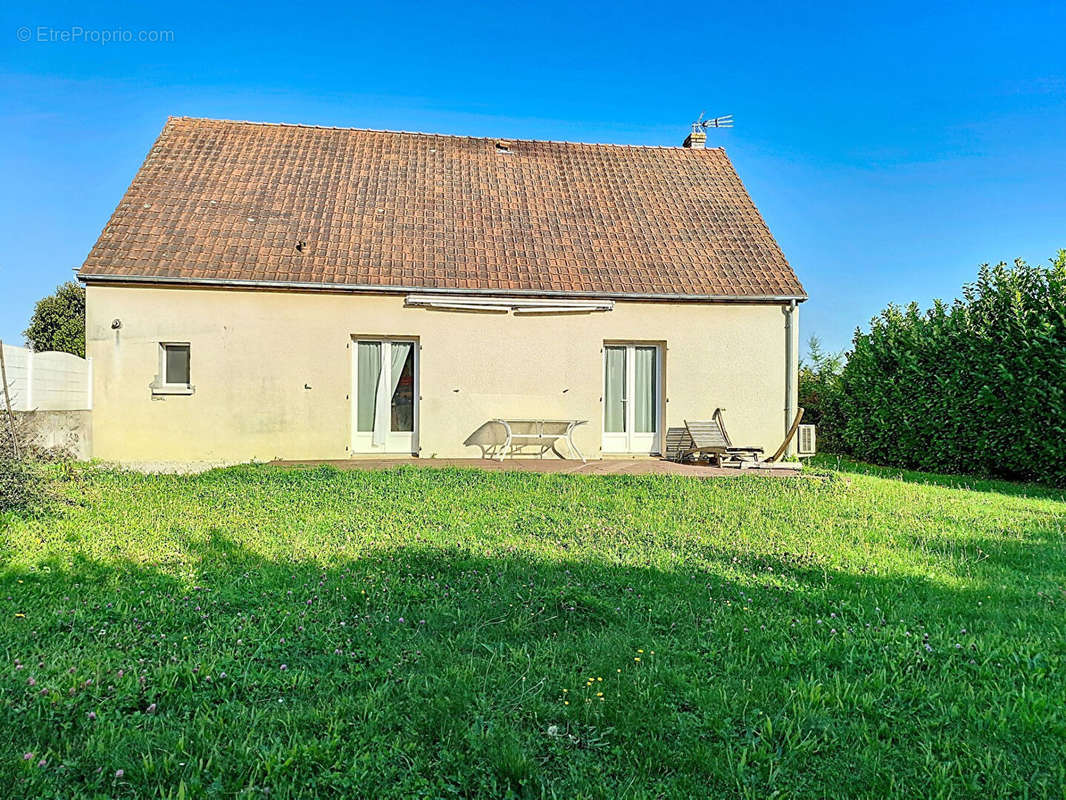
978, 386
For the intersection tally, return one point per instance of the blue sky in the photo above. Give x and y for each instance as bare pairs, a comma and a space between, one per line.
891, 148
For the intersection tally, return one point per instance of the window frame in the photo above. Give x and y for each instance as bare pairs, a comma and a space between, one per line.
160, 386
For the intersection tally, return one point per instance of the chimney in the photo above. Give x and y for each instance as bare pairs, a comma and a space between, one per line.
697, 139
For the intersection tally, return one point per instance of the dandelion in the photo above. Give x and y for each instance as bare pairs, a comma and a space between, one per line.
637, 659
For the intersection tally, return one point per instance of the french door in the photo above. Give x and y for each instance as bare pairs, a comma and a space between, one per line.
385, 396
631, 392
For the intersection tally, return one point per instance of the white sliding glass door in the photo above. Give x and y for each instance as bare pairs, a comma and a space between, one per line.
631, 391
385, 396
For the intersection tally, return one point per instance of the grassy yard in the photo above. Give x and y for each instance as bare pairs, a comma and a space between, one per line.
445, 633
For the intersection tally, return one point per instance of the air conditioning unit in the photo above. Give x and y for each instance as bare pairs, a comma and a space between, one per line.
805, 440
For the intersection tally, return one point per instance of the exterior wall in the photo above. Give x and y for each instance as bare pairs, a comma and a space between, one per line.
253, 353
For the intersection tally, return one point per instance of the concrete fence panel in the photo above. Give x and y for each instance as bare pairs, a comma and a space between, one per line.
47, 381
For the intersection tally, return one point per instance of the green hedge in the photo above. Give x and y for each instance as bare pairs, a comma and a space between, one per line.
975, 387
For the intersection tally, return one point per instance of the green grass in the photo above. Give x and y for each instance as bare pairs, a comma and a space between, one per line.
443, 633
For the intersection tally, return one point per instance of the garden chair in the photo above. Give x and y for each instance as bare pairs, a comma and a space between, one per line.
709, 438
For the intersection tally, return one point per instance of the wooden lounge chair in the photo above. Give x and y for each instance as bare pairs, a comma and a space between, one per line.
709, 438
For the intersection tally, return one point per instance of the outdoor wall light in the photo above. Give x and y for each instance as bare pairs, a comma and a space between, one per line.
116, 324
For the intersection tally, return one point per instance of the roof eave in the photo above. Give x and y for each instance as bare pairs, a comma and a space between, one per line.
316, 286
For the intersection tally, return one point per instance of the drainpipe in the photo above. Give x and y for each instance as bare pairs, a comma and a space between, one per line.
791, 366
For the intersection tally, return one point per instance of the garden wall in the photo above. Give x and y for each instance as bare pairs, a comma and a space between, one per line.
47, 381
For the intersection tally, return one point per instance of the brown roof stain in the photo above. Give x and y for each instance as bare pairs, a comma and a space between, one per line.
220, 201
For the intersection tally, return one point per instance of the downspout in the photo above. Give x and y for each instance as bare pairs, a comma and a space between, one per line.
791, 367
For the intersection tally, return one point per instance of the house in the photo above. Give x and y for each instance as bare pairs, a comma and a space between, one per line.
287, 291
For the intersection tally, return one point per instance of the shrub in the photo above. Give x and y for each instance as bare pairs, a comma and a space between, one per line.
23, 484
27, 481
976, 387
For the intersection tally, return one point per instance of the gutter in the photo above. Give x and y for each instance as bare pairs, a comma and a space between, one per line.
374, 289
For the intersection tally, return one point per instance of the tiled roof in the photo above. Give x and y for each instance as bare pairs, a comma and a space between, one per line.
235, 202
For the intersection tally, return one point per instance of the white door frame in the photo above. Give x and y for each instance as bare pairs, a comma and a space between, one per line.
630, 442
362, 442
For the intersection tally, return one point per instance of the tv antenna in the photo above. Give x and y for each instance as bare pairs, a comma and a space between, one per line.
701, 124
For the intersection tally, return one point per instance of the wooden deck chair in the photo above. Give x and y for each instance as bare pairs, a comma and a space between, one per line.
710, 439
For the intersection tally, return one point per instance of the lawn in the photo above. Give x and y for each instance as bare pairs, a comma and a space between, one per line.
258, 631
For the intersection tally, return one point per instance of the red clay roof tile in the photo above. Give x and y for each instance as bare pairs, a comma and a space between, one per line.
225, 202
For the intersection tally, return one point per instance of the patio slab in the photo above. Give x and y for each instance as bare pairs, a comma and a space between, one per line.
607, 466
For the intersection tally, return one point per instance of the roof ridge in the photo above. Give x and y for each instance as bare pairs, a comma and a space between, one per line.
442, 135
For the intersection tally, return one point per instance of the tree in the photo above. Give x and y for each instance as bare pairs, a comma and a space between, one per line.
58, 321
818, 378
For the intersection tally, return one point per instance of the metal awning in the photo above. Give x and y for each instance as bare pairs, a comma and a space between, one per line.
505, 305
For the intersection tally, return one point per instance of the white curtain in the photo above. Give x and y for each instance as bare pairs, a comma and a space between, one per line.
369, 374
613, 407
398, 352
644, 389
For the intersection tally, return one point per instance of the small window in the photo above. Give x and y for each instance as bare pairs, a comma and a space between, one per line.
174, 375
176, 364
